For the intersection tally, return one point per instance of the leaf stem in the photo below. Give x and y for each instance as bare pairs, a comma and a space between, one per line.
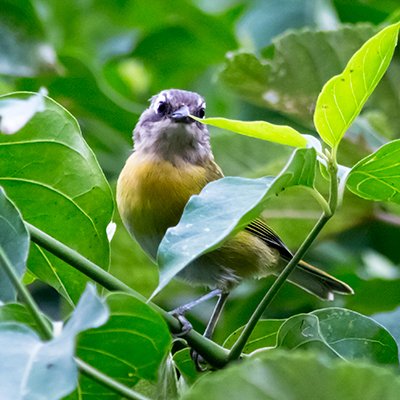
105, 380
212, 352
329, 209
26, 297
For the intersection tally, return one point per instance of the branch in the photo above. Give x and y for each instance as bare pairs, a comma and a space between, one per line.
212, 352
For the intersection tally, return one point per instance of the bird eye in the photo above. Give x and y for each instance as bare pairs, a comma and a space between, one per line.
201, 113
162, 107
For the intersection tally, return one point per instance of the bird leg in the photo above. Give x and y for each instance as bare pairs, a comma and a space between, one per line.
208, 333
179, 312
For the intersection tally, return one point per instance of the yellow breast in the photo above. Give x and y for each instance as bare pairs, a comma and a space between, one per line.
151, 196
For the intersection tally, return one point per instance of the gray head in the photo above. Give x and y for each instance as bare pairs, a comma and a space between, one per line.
165, 129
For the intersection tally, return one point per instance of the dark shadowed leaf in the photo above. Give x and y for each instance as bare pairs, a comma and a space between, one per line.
282, 375
264, 335
23, 47
53, 177
223, 208
14, 244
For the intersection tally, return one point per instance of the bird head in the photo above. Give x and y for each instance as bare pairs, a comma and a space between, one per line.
166, 130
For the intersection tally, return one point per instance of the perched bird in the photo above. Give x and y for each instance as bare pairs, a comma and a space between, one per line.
172, 160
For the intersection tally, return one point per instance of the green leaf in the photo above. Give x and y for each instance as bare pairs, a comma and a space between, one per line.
343, 333
344, 95
15, 312
23, 46
129, 347
14, 242
185, 365
31, 368
263, 335
288, 75
53, 177
227, 205
282, 375
377, 176
259, 129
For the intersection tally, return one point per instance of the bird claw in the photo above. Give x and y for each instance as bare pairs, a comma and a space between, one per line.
186, 326
199, 362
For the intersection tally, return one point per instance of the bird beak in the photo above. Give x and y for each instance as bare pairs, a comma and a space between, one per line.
181, 115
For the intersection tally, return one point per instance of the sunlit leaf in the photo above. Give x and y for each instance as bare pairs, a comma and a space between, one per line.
53, 177
377, 176
259, 129
343, 96
14, 243
223, 208
282, 375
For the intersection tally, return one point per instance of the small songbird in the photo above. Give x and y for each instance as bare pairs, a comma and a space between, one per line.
172, 160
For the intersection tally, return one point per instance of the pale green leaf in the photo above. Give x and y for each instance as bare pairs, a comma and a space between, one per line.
377, 176
282, 134
14, 243
35, 369
343, 96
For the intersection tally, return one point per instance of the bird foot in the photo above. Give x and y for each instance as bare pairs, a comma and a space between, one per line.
199, 362
186, 326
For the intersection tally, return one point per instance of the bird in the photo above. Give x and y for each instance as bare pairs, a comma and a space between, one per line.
172, 160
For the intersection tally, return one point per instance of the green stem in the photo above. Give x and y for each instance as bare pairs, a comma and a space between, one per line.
26, 297
237, 348
212, 352
329, 209
47, 333
105, 380
321, 199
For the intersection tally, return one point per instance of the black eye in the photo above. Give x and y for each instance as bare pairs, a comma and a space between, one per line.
162, 107
201, 113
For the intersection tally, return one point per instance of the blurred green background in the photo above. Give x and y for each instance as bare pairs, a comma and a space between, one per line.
255, 59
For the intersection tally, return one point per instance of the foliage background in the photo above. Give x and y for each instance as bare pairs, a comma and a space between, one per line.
102, 60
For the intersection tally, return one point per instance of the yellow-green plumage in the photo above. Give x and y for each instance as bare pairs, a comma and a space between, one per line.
173, 161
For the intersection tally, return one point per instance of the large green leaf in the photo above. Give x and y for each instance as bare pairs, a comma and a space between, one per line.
344, 95
343, 333
259, 129
14, 244
281, 375
336, 331
129, 347
377, 176
53, 177
33, 369
223, 208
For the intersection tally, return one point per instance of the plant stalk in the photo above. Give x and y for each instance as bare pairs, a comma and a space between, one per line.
212, 352
328, 210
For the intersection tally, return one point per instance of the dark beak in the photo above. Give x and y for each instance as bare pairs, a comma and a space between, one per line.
182, 115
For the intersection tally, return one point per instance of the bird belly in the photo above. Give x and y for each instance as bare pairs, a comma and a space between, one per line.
238, 258
151, 196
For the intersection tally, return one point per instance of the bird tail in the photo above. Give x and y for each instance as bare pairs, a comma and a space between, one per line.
318, 282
